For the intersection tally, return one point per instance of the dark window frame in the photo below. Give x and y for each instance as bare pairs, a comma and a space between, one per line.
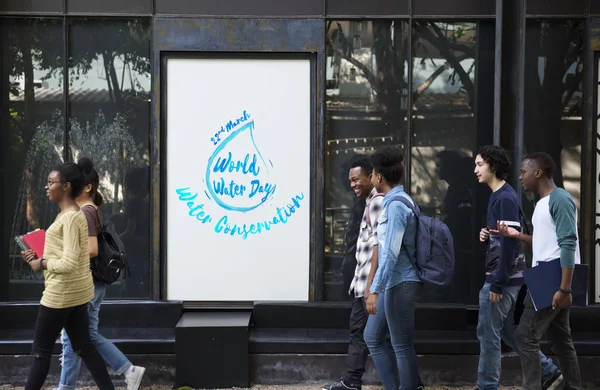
410, 123
165, 32
544, 9
432, 9
5, 289
317, 285
65, 115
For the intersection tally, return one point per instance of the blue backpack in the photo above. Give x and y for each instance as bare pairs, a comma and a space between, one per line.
435, 247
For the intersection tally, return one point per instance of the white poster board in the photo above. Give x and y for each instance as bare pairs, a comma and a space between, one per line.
238, 179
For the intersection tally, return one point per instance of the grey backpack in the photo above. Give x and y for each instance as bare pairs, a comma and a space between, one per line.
435, 247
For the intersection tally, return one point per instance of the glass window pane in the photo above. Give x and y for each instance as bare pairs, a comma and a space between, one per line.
31, 56
553, 99
443, 142
367, 93
109, 100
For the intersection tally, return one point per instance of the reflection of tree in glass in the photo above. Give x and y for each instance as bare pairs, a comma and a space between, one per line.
107, 40
28, 45
553, 73
33, 44
450, 41
37, 44
43, 153
390, 49
111, 147
100, 140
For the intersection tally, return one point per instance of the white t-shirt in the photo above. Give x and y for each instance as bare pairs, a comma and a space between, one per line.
555, 228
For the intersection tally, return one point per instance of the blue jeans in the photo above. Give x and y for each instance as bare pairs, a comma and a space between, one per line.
496, 322
71, 362
396, 314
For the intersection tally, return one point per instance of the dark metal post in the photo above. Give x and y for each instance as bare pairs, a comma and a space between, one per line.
67, 151
4, 159
512, 84
409, 103
589, 151
498, 72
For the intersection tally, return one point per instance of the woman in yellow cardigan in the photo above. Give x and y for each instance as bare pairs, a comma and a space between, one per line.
68, 282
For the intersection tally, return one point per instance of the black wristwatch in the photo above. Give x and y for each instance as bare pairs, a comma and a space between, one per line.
564, 291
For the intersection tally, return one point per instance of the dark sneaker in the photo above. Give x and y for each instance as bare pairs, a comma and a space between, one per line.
342, 385
553, 383
420, 387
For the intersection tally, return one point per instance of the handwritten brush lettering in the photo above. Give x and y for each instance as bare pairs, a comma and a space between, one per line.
232, 189
226, 128
282, 216
258, 188
239, 181
229, 165
195, 210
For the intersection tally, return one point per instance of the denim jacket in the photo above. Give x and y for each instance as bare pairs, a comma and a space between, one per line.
397, 232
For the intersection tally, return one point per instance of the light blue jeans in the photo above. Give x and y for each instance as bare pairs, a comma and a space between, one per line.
71, 362
495, 323
396, 311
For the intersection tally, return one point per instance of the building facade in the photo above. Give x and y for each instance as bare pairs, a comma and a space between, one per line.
437, 78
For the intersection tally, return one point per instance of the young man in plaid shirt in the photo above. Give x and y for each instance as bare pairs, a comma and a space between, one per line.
366, 265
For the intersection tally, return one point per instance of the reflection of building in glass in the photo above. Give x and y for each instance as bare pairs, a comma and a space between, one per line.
366, 108
108, 117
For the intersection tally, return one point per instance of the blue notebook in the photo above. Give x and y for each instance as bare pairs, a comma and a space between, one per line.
544, 280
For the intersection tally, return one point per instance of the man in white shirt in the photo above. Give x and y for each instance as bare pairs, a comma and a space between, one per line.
554, 236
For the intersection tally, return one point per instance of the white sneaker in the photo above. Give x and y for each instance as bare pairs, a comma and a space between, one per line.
133, 377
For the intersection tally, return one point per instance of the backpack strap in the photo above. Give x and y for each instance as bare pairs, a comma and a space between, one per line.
100, 228
97, 216
417, 213
415, 209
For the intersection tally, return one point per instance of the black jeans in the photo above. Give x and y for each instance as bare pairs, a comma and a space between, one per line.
47, 329
357, 350
555, 324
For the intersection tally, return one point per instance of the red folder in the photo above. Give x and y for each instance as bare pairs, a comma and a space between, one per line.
36, 240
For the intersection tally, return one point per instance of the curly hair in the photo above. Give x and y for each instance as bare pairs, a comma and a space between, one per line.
497, 158
364, 163
387, 161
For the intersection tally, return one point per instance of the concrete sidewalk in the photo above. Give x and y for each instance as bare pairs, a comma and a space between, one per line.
258, 387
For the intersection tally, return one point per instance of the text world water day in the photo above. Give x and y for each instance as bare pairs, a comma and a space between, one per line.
224, 226
233, 189
233, 182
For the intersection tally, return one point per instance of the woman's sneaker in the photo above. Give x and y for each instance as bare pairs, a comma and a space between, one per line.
133, 377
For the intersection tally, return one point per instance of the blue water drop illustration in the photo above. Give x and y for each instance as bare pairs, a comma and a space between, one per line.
237, 176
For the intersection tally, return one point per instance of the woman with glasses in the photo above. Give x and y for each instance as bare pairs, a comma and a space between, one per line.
68, 282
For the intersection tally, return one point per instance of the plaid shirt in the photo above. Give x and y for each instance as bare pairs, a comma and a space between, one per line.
367, 240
